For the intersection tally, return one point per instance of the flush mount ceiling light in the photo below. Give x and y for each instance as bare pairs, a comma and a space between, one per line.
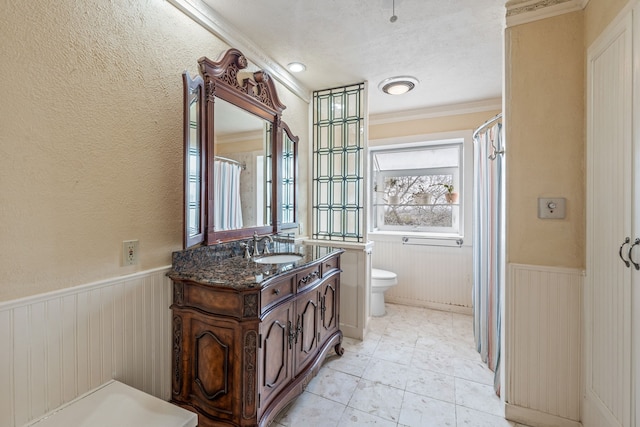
398, 85
296, 67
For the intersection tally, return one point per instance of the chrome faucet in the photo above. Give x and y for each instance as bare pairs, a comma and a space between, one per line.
257, 240
247, 249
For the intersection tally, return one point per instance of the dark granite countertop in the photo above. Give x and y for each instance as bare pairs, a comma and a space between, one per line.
203, 266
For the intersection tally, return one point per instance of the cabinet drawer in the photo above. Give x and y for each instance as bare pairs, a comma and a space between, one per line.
275, 292
308, 277
330, 265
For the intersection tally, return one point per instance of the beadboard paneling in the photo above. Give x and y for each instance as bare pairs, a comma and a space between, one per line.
60, 345
543, 326
428, 276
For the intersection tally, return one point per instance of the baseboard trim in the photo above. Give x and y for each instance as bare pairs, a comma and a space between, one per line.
352, 332
459, 309
535, 418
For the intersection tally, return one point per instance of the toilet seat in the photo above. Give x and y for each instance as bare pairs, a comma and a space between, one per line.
383, 277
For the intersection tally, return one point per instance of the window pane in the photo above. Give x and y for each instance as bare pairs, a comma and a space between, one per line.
419, 216
418, 159
353, 134
407, 189
323, 109
412, 188
337, 136
322, 193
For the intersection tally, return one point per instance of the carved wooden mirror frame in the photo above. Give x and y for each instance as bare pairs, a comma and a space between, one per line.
257, 96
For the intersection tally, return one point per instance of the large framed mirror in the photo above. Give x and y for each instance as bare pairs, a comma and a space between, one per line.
233, 189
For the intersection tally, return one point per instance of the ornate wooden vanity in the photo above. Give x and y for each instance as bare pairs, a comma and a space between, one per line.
243, 350
247, 336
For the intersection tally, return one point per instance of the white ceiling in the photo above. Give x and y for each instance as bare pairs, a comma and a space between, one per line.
453, 47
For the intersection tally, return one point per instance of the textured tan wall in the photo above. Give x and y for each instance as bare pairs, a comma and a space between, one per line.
297, 117
91, 137
545, 142
432, 125
598, 14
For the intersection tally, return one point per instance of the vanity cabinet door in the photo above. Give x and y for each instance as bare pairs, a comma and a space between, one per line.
215, 368
329, 306
307, 322
276, 343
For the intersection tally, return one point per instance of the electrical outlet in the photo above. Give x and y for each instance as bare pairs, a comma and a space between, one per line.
129, 252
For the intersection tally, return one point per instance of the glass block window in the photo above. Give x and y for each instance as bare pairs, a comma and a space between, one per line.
338, 163
417, 189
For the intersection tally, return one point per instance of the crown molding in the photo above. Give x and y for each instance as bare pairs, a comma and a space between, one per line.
525, 11
210, 20
433, 112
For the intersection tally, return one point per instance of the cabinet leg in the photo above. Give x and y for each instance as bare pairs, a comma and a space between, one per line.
339, 349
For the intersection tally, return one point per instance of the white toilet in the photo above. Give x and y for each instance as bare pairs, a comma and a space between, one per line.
381, 280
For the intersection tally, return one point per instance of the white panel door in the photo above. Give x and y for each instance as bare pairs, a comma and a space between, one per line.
609, 222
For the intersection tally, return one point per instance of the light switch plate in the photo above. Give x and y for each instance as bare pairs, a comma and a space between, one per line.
552, 208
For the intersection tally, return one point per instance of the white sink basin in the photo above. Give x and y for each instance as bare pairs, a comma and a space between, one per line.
277, 258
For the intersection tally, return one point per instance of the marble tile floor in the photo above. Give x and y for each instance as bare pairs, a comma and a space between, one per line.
416, 367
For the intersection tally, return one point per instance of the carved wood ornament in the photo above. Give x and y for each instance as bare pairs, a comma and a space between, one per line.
250, 305
250, 364
177, 354
178, 293
225, 74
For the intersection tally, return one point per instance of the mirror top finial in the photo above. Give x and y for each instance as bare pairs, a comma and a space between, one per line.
226, 71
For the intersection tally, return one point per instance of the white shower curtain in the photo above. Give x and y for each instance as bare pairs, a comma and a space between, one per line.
226, 196
488, 244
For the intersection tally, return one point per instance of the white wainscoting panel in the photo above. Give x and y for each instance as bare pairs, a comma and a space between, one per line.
354, 292
430, 276
543, 326
355, 286
59, 345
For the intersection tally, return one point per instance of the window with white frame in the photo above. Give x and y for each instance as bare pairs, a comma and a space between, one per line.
417, 188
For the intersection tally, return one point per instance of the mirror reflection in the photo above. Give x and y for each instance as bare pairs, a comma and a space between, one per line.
193, 160
193, 166
242, 173
288, 166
